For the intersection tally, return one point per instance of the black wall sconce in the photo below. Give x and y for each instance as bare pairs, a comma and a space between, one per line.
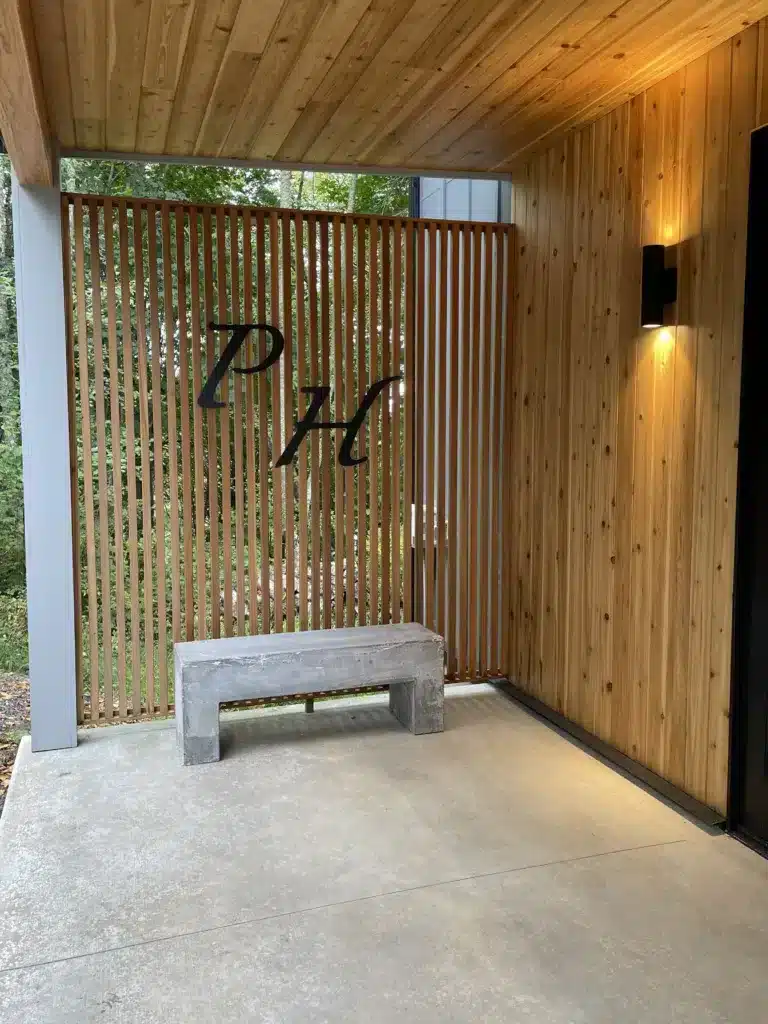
659, 286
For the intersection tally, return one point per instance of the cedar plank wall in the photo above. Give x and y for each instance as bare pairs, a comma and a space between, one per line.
625, 440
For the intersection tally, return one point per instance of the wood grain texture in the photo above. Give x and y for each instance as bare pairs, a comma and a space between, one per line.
191, 530
24, 123
645, 459
466, 84
66, 246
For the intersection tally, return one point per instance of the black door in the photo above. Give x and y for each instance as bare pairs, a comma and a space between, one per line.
748, 810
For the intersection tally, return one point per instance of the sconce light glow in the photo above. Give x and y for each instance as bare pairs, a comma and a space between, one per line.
659, 286
663, 342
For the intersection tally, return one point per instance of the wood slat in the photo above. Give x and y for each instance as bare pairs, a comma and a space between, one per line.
315, 375
484, 508
429, 399
69, 300
185, 415
337, 281
250, 429
326, 447
211, 426
130, 457
362, 382
349, 398
452, 468
441, 392
373, 416
506, 460
464, 489
498, 421
476, 468
410, 391
197, 427
169, 332
146, 584
264, 453
117, 481
386, 426
301, 338
288, 410
223, 311
158, 460
278, 522
105, 567
83, 362
398, 366
419, 447
235, 259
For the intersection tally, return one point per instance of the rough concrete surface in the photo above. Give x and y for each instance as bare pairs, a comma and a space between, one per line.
331, 869
211, 672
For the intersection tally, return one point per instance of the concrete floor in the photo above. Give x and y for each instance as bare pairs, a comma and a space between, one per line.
332, 867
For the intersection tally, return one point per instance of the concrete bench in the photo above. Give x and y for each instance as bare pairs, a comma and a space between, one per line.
209, 672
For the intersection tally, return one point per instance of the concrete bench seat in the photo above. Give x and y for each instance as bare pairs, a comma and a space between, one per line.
210, 672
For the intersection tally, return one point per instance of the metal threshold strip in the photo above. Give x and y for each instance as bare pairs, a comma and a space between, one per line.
701, 812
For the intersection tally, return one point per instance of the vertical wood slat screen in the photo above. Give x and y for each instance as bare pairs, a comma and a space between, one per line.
461, 446
185, 528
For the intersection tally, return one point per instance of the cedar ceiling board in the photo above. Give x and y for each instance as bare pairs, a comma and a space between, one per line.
85, 25
290, 33
376, 25
209, 33
237, 69
528, 54
443, 59
449, 58
537, 73
420, 84
48, 22
672, 59
589, 65
389, 65
126, 47
332, 31
640, 65
167, 36
542, 107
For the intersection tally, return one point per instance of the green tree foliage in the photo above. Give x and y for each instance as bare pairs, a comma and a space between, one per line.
11, 520
363, 193
171, 181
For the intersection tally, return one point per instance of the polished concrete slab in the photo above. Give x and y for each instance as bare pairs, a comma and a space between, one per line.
329, 868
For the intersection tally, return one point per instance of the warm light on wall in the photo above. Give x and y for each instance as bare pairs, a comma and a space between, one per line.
659, 286
663, 341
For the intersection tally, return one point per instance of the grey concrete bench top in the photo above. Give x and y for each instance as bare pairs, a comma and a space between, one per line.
407, 656
235, 647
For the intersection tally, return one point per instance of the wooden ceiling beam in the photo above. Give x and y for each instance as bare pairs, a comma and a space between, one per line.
23, 116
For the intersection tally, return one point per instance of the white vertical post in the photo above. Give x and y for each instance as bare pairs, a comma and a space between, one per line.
45, 449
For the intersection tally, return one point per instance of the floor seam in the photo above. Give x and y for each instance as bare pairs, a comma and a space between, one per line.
257, 919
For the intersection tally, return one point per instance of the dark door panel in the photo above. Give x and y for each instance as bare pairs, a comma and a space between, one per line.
748, 811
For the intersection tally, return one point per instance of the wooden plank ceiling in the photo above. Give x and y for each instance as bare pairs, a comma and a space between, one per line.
440, 85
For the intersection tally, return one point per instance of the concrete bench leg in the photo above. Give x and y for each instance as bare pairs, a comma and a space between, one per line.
418, 704
197, 733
